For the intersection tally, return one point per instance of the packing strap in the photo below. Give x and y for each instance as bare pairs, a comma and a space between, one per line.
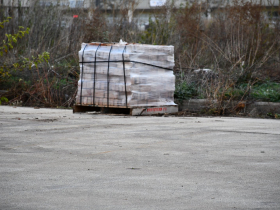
94, 79
82, 74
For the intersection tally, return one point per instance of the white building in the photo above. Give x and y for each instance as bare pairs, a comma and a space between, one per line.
136, 8
139, 4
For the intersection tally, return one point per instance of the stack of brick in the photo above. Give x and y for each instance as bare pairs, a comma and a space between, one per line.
126, 75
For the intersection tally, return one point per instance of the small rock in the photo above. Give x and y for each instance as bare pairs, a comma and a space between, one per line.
254, 113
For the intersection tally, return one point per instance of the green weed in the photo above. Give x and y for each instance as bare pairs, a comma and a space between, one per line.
3, 99
268, 91
184, 90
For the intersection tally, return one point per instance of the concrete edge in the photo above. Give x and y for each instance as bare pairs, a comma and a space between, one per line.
260, 108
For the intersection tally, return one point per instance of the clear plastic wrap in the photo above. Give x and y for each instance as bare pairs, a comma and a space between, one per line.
131, 75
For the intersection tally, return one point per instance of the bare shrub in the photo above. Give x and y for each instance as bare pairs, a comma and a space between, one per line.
50, 31
237, 45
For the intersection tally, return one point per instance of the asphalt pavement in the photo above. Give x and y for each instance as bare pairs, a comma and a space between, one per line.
54, 159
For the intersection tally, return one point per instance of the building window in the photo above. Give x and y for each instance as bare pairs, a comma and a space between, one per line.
76, 4
157, 3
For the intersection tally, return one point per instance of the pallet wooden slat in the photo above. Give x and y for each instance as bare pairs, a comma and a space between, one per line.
135, 111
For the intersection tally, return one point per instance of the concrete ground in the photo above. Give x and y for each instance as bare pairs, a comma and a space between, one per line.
53, 159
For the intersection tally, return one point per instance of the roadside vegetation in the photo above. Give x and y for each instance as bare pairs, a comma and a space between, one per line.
232, 56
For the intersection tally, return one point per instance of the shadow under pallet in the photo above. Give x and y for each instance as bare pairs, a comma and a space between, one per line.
134, 111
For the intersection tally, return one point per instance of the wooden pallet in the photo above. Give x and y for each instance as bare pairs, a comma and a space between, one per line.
134, 111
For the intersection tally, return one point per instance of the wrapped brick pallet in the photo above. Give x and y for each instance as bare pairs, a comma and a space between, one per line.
126, 75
